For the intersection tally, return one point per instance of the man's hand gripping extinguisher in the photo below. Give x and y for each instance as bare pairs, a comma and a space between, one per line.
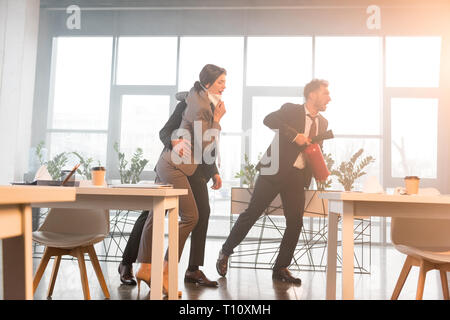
314, 156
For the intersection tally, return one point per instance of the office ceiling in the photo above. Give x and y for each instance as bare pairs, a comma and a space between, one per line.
239, 3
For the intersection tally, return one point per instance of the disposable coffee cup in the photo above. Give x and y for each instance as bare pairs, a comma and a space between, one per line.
412, 184
98, 176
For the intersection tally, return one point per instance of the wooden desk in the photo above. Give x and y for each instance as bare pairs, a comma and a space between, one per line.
350, 204
15, 230
158, 200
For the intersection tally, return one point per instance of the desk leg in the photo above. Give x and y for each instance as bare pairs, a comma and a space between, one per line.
347, 252
332, 255
18, 262
173, 252
157, 249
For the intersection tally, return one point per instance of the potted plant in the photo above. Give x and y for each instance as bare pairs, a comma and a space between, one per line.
349, 171
131, 174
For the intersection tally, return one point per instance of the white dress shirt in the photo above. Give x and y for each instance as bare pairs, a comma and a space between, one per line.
300, 162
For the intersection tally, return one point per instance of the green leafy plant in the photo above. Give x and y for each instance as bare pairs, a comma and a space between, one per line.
349, 171
55, 165
39, 154
85, 165
248, 172
132, 174
322, 185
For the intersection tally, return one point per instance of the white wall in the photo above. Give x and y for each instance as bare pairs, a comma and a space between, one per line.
19, 21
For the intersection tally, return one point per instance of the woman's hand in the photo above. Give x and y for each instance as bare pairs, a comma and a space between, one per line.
217, 182
219, 111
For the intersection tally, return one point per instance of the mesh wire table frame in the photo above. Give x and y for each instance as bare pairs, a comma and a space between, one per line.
260, 248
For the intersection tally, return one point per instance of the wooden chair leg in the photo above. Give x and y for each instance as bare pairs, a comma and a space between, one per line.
54, 275
444, 283
402, 278
84, 281
98, 270
424, 268
41, 268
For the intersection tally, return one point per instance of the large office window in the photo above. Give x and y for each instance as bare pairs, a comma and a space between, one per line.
384, 93
412, 82
353, 67
147, 61
81, 96
279, 61
142, 116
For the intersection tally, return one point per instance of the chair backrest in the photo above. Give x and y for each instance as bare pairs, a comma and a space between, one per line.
77, 221
420, 232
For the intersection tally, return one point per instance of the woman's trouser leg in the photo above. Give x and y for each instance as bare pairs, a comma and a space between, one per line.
187, 210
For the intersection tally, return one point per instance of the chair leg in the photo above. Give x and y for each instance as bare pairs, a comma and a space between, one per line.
54, 275
41, 268
424, 268
402, 278
444, 283
98, 270
84, 281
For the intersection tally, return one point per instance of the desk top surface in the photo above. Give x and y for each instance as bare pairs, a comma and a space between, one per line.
39, 194
29, 194
379, 197
108, 191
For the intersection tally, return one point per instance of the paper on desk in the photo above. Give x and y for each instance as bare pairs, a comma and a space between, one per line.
150, 185
371, 185
428, 192
42, 174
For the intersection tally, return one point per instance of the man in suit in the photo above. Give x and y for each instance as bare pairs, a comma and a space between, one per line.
296, 125
198, 184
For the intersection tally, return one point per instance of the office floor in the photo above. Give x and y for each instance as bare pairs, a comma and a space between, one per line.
251, 284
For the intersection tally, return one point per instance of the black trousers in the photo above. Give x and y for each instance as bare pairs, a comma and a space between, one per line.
290, 186
198, 183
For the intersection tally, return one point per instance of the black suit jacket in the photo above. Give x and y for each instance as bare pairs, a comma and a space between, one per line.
165, 135
289, 120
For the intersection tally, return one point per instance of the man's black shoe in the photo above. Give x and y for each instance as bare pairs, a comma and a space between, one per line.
126, 274
199, 277
285, 275
222, 264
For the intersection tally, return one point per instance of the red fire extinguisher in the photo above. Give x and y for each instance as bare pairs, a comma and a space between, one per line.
314, 156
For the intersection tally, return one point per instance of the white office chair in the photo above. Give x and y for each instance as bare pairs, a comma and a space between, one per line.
72, 232
426, 242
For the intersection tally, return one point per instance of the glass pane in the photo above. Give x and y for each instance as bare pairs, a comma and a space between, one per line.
147, 61
413, 61
88, 145
192, 60
414, 139
262, 136
142, 118
279, 61
82, 83
220, 200
352, 65
342, 149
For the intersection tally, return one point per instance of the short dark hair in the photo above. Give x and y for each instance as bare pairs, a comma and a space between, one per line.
208, 75
312, 86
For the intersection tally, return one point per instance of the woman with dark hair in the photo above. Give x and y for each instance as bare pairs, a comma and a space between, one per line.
198, 136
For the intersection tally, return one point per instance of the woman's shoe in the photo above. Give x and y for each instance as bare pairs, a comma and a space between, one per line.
166, 280
143, 274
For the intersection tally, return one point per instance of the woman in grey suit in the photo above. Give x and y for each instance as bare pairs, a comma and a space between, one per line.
199, 130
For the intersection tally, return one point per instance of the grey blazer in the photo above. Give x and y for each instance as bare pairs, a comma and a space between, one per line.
197, 124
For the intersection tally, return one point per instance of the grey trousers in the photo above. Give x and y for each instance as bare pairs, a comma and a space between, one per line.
168, 173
